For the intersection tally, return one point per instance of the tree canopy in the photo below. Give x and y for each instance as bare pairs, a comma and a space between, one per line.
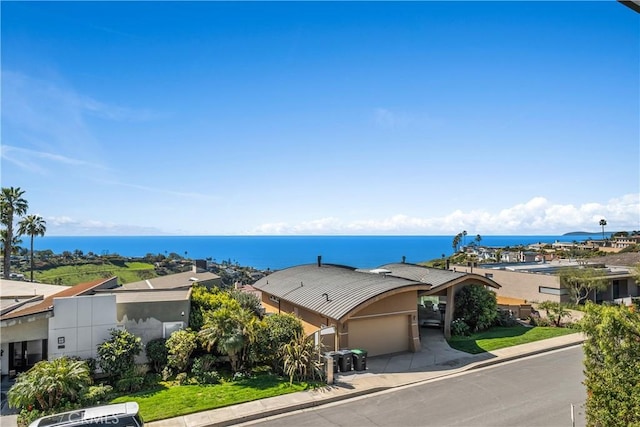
581, 281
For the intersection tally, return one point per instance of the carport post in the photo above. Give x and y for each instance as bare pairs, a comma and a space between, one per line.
448, 313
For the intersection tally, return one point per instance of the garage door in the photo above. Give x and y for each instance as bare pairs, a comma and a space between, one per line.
380, 335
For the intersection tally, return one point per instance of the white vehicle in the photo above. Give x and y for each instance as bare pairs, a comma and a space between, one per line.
119, 414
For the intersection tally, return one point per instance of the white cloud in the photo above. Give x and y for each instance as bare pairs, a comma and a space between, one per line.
30, 159
66, 226
536, 216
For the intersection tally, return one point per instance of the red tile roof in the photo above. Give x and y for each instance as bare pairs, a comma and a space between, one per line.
47, 303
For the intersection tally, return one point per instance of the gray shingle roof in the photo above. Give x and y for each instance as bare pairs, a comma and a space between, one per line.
345, 287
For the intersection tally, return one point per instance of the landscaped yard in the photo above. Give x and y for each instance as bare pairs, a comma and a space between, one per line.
501, 337
172, 401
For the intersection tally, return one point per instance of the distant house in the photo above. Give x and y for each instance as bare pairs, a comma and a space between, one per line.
61, 321
28, 333
537, 282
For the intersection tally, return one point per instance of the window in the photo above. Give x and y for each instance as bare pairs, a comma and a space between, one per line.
552, 291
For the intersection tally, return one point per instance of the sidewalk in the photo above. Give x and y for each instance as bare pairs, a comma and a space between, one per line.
435, 360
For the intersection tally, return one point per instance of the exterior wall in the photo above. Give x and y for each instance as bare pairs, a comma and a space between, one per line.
146, 319
402, 304
80, 324
522, 285
25, 329
33, 328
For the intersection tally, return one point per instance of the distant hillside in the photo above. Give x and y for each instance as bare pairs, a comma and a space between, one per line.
580, 233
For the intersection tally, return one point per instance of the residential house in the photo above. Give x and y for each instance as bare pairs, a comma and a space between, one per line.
376, 310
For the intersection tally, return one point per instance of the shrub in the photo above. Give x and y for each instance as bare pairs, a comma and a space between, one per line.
203, 369
181, 378
505, 318
96, 395
116, 356
612, 370
180, 345
273, 332
130, 383
300, 359
167, 373
459, 328
50, 384
157, 353
555, 311
477, 306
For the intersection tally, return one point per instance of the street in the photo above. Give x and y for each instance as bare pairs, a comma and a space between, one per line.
534, 391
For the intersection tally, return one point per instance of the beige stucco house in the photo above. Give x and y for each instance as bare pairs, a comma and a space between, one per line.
376, 310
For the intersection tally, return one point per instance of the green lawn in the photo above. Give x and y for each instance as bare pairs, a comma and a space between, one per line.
501, 337
172, 401
82, 273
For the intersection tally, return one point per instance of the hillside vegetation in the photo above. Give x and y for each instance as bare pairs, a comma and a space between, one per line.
73, 274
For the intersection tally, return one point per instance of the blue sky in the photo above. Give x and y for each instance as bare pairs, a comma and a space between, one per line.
322, 117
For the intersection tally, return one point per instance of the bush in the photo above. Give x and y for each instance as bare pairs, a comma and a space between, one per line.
460, 328
181, 378
203, 369
180, 345
157, 353
130, 383
167, 373
477, 306
96, 395
505, 318
116, 356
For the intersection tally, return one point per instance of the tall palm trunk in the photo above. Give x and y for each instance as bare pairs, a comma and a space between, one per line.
32, 258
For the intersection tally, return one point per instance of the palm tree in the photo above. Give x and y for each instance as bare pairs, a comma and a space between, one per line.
11, 204
456, 242
49, 383
231, 332
603, 222
464, 237
32, 225
478, 238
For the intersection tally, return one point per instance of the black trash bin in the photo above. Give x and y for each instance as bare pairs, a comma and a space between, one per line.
335, 356
359, 359
344, 360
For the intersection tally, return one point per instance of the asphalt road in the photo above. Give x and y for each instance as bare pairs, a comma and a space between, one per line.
534, 391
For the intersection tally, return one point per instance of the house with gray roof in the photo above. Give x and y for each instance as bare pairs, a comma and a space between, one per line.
376, 310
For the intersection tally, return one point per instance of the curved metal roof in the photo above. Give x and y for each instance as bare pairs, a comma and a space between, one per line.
419, 273
331, 290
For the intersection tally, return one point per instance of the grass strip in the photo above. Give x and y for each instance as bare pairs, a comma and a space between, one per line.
170, 401
501, 337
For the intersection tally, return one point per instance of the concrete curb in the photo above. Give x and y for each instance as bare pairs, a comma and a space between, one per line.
297, 407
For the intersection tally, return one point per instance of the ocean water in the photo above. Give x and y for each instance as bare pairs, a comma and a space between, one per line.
277, 252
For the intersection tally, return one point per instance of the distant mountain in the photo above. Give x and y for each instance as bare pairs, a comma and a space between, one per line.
580, 233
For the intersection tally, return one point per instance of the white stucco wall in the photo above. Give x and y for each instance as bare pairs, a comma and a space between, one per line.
80, 324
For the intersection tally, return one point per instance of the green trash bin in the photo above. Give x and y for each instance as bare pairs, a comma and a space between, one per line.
359, 359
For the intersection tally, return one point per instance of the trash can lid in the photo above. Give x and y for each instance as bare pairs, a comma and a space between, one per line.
358, 351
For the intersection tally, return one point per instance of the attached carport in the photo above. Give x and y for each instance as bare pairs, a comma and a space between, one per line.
442, 283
